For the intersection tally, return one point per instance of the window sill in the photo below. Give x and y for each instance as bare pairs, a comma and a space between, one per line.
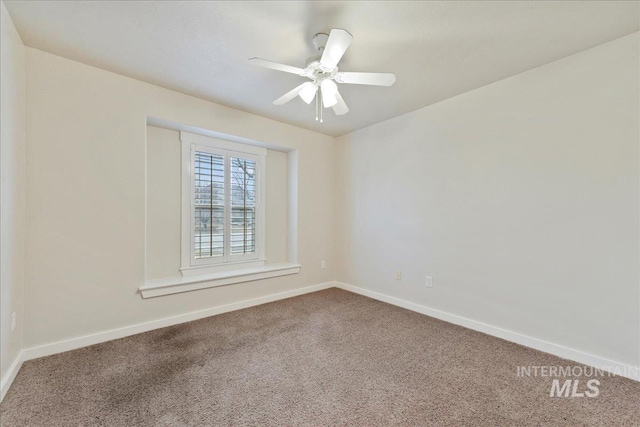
227, 267
174, 285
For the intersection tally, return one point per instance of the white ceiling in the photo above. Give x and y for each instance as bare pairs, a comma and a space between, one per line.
437, 49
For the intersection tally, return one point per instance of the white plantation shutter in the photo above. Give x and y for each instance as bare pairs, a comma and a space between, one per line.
243, 206
223, 209
208, 192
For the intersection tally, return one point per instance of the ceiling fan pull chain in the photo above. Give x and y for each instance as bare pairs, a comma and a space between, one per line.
320, 102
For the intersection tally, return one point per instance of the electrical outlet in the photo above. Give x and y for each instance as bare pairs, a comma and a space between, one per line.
323, 264
13, 321
429, 282
398, 275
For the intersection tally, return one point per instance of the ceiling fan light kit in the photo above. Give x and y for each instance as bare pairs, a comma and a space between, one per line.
322, 69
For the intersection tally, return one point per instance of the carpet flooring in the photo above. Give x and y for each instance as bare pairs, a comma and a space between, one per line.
323, 359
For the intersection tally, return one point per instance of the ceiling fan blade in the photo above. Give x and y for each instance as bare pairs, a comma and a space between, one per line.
374, 79
339, 41
276, 66
340, 108
291, 94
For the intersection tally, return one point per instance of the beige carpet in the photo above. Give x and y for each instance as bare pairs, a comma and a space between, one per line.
323, 359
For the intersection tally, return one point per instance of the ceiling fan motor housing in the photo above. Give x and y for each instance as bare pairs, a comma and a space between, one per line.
313, 68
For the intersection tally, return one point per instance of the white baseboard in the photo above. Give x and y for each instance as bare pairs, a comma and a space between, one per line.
87, 340
8, 378
617, 368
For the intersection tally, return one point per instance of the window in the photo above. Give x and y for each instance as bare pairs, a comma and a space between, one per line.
222, 206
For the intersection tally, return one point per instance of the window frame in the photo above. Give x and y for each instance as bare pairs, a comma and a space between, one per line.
189, 263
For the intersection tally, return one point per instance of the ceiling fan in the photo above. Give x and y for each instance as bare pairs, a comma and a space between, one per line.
322, 69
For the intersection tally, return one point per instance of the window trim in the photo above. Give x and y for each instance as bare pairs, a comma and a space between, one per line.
189, 265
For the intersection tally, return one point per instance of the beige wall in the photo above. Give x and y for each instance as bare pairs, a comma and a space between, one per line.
12, 191
520, 199
86, 192
164, 203
276, 208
